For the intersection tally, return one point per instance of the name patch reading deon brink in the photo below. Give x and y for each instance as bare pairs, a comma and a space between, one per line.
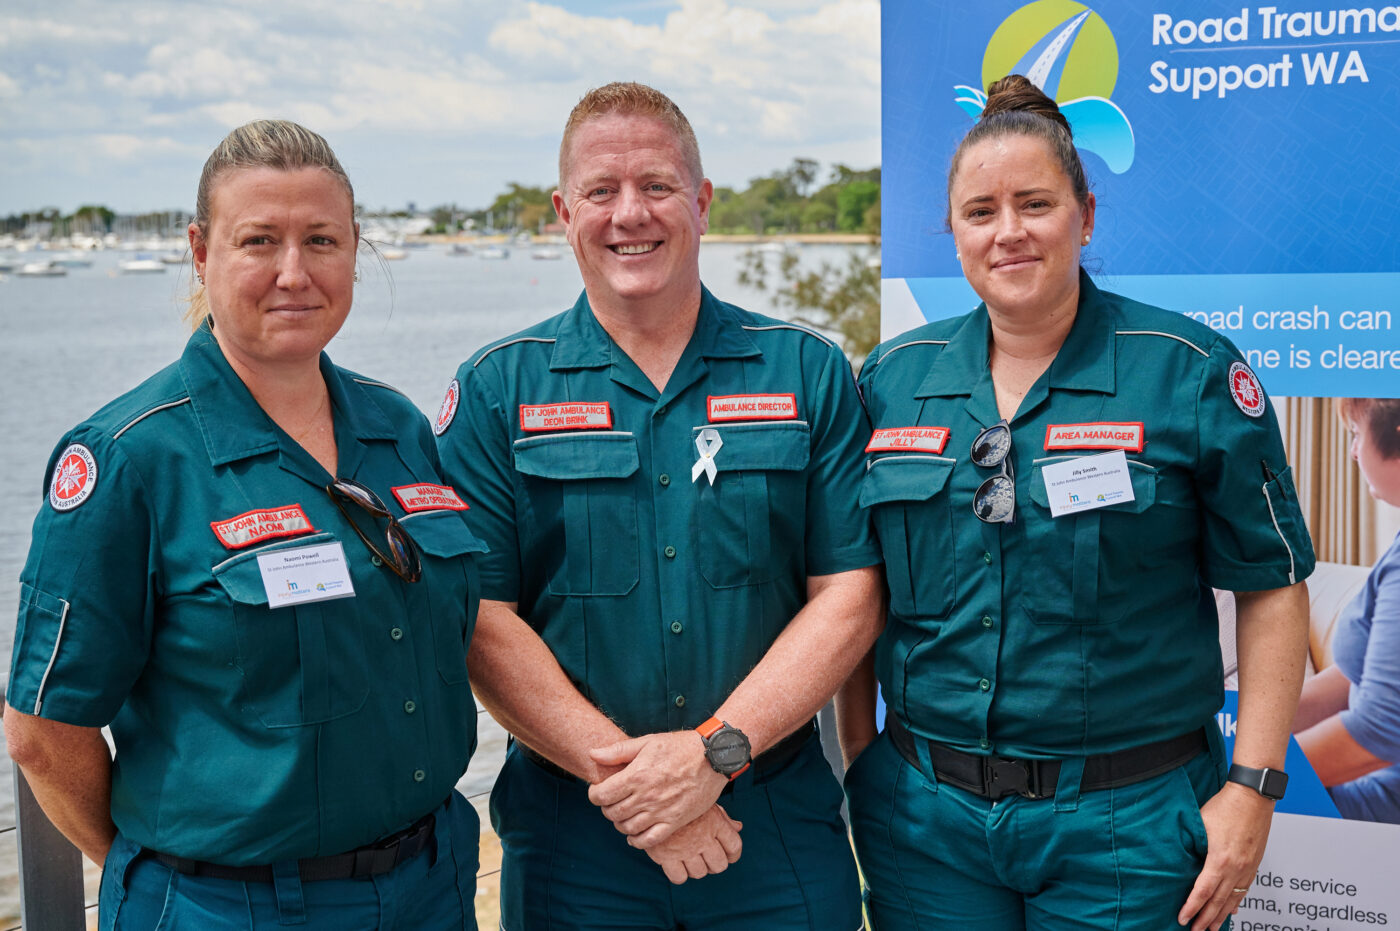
254, 526
908, 439
752, 407
566, 415
425, 496
1124, 436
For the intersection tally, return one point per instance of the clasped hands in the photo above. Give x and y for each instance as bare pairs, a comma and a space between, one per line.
662, 793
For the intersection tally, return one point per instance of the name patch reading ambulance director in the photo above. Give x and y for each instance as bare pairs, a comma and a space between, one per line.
752, 407
566, 415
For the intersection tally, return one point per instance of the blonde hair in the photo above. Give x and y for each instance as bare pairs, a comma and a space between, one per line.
628, 98
279, 144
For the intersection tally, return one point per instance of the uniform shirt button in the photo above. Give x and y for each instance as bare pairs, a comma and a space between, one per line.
661, 410
984, 684
419, 775
987, 558
411, 706
677, 627
395, 633
376, 561
985, 743
680, 701
987, 622
670, 552
664, 479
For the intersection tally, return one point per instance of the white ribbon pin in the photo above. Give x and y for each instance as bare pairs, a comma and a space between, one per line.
707, 444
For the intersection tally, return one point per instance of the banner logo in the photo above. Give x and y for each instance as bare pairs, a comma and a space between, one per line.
1066, 50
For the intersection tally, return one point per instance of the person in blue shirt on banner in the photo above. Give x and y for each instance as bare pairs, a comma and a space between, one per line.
1058, 479
250, 568
1348, 721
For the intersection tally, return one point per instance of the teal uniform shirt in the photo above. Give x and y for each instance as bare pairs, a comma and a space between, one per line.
1095, 631
658, 593
244, 734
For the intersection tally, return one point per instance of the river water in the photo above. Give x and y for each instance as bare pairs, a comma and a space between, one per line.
68, 345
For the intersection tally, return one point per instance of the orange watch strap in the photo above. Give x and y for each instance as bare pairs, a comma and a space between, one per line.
707, 730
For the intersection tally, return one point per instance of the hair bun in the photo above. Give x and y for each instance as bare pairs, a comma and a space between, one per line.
1016, 92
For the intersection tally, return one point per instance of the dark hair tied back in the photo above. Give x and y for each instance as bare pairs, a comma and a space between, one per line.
1015, 93
1016, 107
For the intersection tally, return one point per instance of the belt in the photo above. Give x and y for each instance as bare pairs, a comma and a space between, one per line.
370, 860
994, 777
768, 762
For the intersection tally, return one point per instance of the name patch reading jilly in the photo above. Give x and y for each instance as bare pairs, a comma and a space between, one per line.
908, 440
1124, 436
254, 526
752, 407
566, 415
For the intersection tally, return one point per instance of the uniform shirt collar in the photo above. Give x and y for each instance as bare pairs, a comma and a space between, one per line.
233, 424
582, 343
1085, 360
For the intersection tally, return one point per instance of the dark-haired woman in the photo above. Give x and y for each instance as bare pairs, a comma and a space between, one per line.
1058, 479
1348, 720
249, 567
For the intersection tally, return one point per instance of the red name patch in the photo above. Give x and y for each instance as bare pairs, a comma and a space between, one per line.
908, 439
566, 415
1125, 436
255, 526
426, 496
752, 407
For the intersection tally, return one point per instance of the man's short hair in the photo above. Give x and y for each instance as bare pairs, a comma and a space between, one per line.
629, 98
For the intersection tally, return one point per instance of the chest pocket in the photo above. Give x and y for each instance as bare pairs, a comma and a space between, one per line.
909, 501
583, 509
302, 664
757, 504
448, 592
1062, 579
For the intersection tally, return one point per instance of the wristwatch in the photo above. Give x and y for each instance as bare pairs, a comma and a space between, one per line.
727, 749
1269, 783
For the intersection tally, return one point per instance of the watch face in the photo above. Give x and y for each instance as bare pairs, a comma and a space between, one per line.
728, 750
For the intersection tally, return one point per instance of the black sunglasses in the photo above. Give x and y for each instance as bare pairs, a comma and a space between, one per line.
995, 500
402, 557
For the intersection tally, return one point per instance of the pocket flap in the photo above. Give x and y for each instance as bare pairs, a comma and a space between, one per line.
761, 446
573, 456
442, 533
904, 478
1143, 475
242, 579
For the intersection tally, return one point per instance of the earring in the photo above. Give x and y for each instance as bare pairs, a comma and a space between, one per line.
958, 256
1087, 237
200, 277
357, 274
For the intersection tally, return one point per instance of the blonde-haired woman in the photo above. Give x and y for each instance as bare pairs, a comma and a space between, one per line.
249, 568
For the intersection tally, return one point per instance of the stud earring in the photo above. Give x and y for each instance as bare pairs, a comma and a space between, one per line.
357, 274
958, 256
200, 277
1087, 237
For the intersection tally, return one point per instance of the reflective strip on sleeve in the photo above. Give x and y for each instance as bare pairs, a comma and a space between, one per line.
62, 622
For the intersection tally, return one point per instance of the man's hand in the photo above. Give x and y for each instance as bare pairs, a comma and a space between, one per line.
1237, 827
666, 783
704, 846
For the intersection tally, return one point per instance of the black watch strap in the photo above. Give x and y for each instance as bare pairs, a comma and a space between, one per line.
1269, 783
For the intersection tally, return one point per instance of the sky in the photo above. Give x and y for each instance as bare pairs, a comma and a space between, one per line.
425, 101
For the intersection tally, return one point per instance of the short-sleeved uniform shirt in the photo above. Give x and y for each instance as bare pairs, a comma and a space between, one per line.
1094, 631
246, 734
657, 585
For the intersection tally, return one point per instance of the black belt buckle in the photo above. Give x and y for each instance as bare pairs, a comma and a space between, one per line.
1002, 777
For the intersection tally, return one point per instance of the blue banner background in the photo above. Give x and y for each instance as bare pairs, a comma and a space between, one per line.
1277, 199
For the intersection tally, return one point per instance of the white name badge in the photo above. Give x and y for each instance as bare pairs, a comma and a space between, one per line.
305, 573
1087, 482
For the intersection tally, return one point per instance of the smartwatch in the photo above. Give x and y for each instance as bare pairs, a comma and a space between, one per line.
1269, 783
726, 748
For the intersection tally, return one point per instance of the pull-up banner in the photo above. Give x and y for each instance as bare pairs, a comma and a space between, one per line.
1246, 162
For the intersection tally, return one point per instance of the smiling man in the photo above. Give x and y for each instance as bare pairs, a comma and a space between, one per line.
681, 576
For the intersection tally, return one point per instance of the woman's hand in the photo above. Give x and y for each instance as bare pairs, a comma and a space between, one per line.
1237, 828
